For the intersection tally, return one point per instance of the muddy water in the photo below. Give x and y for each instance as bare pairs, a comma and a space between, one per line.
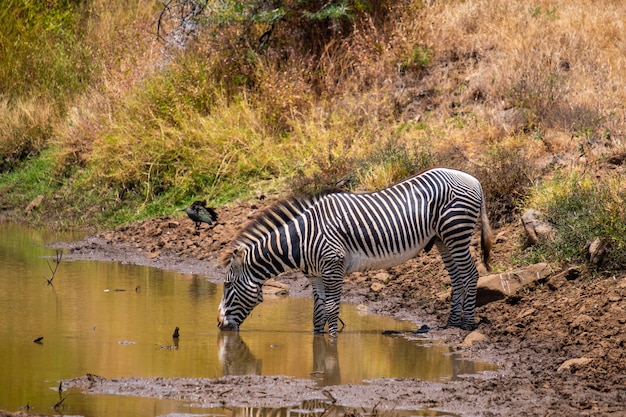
114, 320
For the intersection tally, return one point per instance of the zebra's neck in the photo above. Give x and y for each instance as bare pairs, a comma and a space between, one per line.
278, 252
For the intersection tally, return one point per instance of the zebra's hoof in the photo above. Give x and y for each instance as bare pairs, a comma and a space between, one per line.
469, 326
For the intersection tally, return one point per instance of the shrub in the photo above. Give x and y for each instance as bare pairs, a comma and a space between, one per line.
582, 208
41, 52
538, 93
25, 127
506, 173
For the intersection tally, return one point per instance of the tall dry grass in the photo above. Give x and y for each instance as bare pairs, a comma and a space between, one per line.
494, 88
446, 83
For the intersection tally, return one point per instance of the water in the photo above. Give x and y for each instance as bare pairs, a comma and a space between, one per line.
115, 320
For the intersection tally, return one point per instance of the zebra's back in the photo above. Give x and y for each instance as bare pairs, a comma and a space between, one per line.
388, 227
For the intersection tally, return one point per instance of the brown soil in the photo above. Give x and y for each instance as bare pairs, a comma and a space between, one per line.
530, 335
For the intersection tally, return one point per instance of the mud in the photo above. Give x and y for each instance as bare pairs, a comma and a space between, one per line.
560, 344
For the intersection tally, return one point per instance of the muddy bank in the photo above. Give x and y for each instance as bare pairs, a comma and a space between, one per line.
560, 344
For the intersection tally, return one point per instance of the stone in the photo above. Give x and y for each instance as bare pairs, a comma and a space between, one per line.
526, 313
495, 287
577, 362
536, 228
273, 287
581, 322
561, 279
377, 286
33, 205
383, 277
597, 250
474, 336
362, 308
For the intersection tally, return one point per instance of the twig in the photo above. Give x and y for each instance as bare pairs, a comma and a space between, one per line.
58, 404
226, 391
57, 261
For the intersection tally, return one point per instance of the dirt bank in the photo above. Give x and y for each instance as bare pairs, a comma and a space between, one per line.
561, 344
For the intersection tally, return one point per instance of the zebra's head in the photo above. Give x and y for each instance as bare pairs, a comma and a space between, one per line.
241, 293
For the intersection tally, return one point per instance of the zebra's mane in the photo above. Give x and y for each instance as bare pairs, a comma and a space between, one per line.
274, 217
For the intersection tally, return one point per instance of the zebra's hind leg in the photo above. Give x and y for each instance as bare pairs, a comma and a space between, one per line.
456, 303
319, 305
464, 280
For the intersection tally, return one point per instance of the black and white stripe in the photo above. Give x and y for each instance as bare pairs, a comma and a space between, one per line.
330, 235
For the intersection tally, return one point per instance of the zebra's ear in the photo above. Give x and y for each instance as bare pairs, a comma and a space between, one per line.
236, 257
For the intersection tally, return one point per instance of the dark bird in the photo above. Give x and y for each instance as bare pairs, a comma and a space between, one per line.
200, 213
39, 340
176, 333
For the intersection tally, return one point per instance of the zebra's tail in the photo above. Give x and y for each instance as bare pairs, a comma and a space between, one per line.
485, 235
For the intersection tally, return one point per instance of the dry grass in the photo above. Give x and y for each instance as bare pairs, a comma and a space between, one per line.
497, 89
25, 127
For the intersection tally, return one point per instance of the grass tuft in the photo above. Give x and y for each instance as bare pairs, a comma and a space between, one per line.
581, 208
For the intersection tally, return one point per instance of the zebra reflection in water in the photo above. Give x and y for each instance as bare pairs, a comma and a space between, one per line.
330, 235
236, 358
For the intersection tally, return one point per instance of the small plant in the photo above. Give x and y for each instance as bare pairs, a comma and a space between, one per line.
506, 174
538, 93
391, 163
416, 59
582, 209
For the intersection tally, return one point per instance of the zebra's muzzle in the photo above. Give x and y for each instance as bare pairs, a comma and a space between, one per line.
224, 325
227, 327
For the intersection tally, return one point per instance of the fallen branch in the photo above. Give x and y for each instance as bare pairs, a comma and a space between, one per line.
57, 261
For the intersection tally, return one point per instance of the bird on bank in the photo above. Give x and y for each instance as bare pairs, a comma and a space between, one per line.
200, 213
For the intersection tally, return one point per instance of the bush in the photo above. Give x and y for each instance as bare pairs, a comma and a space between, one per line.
582, 208
25, 127
41, 52
506, 173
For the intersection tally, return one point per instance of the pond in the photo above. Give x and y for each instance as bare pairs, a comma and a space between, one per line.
114, 320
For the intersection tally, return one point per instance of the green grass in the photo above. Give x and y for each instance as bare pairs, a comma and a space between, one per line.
582, 208
34, 177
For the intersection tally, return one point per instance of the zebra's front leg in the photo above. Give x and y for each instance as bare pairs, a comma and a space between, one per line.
333, 297
319, 305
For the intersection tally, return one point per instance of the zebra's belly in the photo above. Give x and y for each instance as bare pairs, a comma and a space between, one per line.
360, 261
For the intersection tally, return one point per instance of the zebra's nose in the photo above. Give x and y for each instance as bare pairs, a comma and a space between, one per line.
223, 323
227, 327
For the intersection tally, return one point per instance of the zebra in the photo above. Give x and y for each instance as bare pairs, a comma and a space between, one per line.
332, 234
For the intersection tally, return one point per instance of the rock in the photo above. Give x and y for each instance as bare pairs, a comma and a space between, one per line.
33, 205
474, 336
526, 313
597, 250
383, 277
577, 362
581, 322
377, 286
536, 228
362, 308
499, 286
559, 280
273, 287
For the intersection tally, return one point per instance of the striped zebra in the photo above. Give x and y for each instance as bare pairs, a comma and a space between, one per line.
330, 235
